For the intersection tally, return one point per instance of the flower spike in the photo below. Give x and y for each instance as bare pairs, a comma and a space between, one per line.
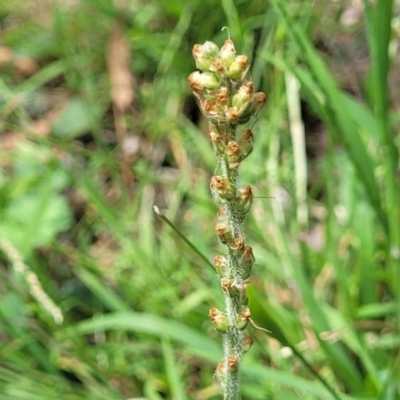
227, 99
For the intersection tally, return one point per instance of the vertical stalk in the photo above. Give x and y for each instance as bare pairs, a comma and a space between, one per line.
379, 18
227, 100
297, 133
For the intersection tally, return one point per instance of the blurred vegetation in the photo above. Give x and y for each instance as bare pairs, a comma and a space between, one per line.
98, 125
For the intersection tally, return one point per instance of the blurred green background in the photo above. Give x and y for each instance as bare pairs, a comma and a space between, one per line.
101, 298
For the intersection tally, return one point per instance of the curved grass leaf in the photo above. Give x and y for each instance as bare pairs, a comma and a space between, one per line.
198, 344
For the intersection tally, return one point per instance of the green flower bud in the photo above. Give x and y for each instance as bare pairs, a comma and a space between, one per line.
235, 289
232, 114
210, 108
221, 188
221, 97
243, 318
218, 143
204, 55
221, 370
206, 80
195, 84
246, 343
218, 319
224, 233
221, 265
242, 97
218, 67
233, 363
209, 80
238, 244
226, 284
227, 53
239, 68
220, 373
233, 153
246, 143
222, 214
244, 199
257, 102
236, 152
246, 263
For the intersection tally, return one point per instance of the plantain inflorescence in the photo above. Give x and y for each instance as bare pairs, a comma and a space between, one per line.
225, 94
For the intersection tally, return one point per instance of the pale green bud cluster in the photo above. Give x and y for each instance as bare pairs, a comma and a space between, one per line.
221, 86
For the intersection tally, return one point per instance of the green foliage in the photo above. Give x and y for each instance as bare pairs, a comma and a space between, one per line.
33, 210
76, 203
